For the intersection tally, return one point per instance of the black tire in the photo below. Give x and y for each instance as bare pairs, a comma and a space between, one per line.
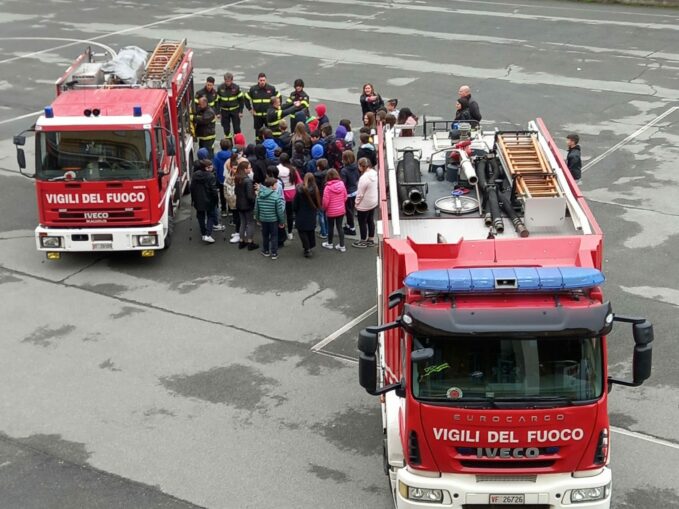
170, 228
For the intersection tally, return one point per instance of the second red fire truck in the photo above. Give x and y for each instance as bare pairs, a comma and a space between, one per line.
113, 152
490, 356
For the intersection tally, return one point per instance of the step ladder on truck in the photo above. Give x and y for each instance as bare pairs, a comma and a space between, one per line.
490, 351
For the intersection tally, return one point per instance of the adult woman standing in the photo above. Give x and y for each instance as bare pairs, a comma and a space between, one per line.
370, 100
366, 203
306, 204
245, 203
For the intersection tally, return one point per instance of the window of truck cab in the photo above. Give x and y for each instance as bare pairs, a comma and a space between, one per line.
94, 155
496, 368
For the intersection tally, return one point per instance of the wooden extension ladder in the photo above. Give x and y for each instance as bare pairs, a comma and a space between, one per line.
527, 165
164, 60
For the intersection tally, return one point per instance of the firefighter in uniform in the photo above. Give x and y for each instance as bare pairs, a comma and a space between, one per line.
275, 113
299, 95
204, 122
258, 101
231, 101
209, 92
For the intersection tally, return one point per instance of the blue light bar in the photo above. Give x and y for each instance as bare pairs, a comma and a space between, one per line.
136, 111
523, 279
49, 112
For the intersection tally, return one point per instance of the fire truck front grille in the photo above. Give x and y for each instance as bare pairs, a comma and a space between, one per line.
110, 216
507, 464
506, 478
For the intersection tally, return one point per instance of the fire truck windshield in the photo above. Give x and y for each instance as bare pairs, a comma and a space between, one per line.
511, 370
94, 155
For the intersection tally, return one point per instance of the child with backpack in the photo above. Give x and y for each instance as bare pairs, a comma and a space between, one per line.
334, 200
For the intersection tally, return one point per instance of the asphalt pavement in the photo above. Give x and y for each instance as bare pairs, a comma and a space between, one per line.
190, 379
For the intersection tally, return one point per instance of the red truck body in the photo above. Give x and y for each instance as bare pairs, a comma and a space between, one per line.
441, 449
112, 158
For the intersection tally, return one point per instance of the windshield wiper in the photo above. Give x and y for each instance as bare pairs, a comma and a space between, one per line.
534, 400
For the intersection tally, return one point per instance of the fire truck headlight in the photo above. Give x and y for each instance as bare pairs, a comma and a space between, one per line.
420, 494
590, 494
147, 240
50, 242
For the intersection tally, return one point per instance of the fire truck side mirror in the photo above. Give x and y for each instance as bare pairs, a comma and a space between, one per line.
367, 342
21, 158
642, 360
367, 361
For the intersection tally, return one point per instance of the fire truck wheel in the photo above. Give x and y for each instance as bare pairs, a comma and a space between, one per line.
170, 228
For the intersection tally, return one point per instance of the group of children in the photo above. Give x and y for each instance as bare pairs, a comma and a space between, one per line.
312, 176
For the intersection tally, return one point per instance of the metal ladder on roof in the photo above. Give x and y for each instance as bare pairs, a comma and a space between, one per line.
527, 165
163, 61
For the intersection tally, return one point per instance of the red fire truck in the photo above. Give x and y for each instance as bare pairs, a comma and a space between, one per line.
113, 152
490, 351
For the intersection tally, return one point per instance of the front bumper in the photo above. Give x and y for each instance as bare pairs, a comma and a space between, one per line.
100, 239
473, 491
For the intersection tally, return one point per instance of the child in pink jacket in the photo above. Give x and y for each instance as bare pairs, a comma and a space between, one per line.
334, 199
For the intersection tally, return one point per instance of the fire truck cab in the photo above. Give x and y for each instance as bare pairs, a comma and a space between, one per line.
490, 350
113, 152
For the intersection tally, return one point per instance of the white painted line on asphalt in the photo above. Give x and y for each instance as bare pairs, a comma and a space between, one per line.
126, 30
629, 138
332, 337
647, 438
27, 115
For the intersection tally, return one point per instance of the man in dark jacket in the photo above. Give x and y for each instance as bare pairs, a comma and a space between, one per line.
258, 100
204, 197
573, 158
231, 102
204, 120
276, 113
299, 95
474, 109
209, 92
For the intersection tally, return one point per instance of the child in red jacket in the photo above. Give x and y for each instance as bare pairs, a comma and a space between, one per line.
334, 199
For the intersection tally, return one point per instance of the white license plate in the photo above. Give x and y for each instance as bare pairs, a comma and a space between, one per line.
100, 246
507, 500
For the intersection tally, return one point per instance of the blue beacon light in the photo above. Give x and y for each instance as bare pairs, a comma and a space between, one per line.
527, 279
136, 111
49, 112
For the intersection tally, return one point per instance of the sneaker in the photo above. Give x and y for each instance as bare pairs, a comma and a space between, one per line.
274, 256
307, 254
349, 231
360, 243
327, 245
265, 253
341, 249
242, 245
235, 238
218, 228
224, 213
323, 236
231, 223
252, 246
289, 236
370, 243
208, 239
